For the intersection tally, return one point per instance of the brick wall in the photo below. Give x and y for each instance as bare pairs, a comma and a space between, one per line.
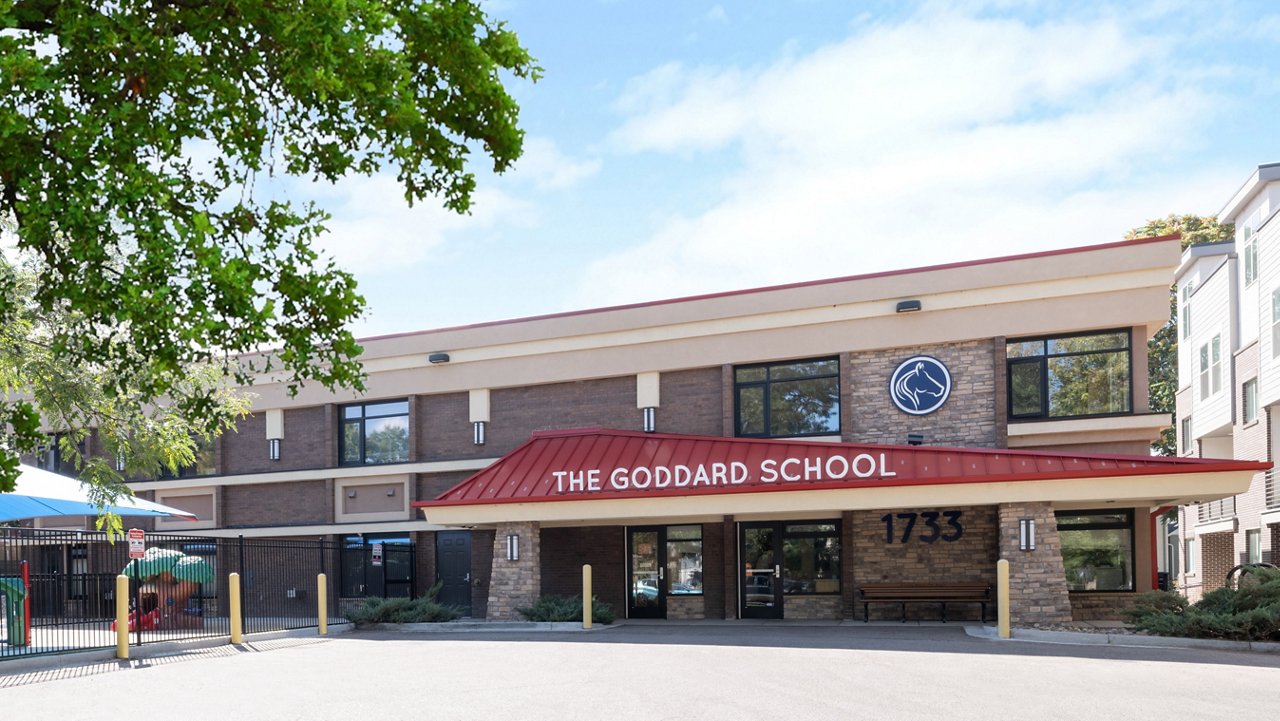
424, 558
869, 558
270, 504
714, 554
811, 608
692, 402
517, 412
1037, 580
565, 550
514, 584
686, 607
431, 485
442, 428
1218, 557
967, 419
1101, 606
307, 443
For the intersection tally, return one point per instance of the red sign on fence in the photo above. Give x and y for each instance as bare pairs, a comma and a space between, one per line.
137, 543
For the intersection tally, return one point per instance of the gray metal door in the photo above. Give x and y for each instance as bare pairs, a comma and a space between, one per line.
453, 568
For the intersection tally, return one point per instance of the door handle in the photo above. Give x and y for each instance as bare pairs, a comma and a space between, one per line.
661, 575
777, 571
467, 578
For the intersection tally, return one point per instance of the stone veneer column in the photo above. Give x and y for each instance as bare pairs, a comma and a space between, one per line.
515, 584
1037, 581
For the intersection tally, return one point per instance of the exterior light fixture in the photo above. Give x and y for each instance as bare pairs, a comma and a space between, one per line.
120, 460
1026, 534
273, 449
438, 358
513, 547
478, 433
908, 306
650, 419
391, 492
915, 439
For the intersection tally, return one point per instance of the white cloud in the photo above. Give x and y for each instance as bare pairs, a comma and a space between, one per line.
546, 167
717, 14
932, 140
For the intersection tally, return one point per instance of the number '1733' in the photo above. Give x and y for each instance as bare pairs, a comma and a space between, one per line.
932, 530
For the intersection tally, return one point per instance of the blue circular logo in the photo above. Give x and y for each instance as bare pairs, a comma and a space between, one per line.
920, 385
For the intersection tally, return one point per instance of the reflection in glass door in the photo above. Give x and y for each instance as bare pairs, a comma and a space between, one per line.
761, 590
645, 596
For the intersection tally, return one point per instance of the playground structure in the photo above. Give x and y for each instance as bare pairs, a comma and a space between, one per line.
169, 579
17, 607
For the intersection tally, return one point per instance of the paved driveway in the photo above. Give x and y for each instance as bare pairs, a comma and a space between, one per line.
658, 672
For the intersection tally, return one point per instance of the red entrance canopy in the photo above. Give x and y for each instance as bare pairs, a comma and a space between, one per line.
596, 463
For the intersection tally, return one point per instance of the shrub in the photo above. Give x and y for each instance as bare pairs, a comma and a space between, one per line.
403, 610
1251, 613
566, 608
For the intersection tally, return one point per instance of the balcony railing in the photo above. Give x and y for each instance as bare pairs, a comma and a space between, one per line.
1273, 490
1218, 510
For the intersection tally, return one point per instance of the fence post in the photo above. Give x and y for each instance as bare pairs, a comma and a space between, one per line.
1002, 596
122, 616
233, 592
587, 605
322, 600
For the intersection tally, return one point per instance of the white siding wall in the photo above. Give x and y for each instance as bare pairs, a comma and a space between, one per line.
1211, 313
1268, 282
1195, 275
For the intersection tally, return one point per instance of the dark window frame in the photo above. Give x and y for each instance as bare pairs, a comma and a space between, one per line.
343, 422
193, 470
837, 534
1130, 524
767, 412
1042, 361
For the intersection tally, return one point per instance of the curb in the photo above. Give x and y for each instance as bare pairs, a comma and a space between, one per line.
1122, 639
483, 627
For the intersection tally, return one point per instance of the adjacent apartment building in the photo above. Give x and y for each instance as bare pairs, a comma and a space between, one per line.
1229, 383
758, 453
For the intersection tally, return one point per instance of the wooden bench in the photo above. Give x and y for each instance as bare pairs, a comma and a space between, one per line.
943, 593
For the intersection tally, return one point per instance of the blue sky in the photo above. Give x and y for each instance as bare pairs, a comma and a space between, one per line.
677, 148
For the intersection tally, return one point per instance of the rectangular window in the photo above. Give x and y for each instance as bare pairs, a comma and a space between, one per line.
1190, 557
684, 560
1070, 376
1249, 401
1216, 372
204, 463
811, 558
374, 433
1185, 320
1186, 445
1275, 323
1253, 545
1097, 549
1211, 367
1250, 256
797, 398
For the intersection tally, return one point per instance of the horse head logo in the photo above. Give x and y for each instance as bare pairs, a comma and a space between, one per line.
920, 385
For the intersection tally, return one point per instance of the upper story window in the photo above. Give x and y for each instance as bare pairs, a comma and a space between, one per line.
1070, 376
1250, 256
375, 433
1185, 446
1185, 320
204, 463
1275, 323
797, 398
1211, 367
1249, 401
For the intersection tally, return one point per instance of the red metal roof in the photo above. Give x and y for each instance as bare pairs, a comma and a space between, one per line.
596, 463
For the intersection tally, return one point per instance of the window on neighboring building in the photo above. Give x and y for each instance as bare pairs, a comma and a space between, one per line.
1190, 557
1211, 367
1186, 444
1097, 549
1253, 545
1249, 401
375, 433
798, 398
811, 558
1069, 376
1250, 256
1185, 320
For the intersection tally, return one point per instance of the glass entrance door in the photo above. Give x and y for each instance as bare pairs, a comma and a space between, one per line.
761, 585
645, 595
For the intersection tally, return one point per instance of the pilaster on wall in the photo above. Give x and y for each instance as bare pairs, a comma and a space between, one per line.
1037, 580
515, 584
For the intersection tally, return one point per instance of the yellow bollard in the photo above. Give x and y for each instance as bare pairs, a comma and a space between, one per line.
122, 616
586, 596
1002, 596
322, 600
233, 590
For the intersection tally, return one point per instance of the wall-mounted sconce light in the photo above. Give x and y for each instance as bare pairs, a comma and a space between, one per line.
351, 493
915, 439
1026, 534
120, 460
650, 419
477, 436
908, 306
438, 358
513, 547
273, 449
391, 492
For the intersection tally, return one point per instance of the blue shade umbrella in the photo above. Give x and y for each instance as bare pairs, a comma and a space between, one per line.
40, 494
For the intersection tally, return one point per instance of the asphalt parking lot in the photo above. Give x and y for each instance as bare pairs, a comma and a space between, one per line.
656, 672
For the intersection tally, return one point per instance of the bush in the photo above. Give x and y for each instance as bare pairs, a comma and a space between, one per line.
403, 610
566, 608
1251, 613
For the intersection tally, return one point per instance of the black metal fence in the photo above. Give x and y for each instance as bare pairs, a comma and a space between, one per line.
57, 588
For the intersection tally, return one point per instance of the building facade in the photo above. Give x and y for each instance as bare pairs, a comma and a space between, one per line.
766, 452
1229, 383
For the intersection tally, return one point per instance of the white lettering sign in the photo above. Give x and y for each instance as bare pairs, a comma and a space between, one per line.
723, 475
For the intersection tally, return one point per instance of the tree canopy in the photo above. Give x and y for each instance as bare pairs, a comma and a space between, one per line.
1162, 351
136, 138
